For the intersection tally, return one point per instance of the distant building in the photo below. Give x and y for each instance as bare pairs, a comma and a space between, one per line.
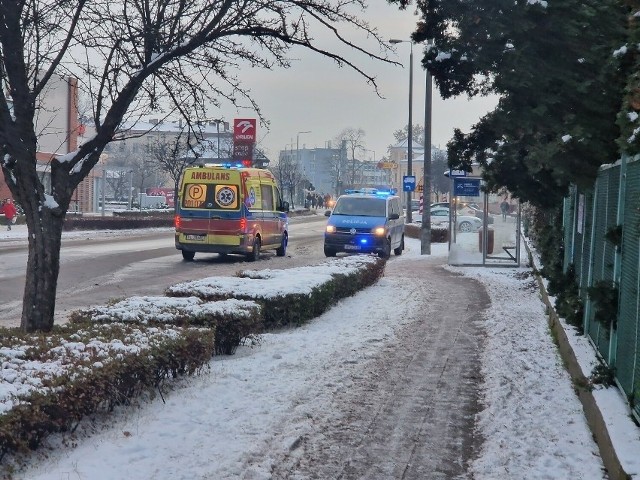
57, 126
329, 170
137, 138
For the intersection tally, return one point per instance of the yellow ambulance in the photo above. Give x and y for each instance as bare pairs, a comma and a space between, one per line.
230, 209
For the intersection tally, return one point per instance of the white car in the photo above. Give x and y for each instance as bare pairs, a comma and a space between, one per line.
464, 223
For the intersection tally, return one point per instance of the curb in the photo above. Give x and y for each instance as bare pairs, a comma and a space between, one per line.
595, 419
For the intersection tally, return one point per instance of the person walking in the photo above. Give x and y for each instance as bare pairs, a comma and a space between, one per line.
10, 212
504, 208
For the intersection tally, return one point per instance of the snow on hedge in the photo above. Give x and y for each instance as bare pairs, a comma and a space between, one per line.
142, 309
32, 364
265, 284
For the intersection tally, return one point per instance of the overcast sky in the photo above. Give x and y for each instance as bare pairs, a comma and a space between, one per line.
317, 96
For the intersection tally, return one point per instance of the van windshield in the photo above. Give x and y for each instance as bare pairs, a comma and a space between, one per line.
365, 207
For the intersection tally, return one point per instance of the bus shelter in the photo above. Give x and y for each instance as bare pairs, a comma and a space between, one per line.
484, 228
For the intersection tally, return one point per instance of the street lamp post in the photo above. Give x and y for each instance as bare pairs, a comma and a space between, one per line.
298, 153
218, 138
217, 121
375, 176
103, 161
298, 145
104, 187
130, 188
410, 129
298, 149
372, 151
425, 231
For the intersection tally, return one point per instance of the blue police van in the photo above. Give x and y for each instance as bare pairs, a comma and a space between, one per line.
365, 221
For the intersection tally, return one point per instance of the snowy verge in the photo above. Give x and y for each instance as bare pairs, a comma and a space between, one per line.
607, 411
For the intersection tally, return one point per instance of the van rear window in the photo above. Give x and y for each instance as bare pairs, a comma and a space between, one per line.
211, 196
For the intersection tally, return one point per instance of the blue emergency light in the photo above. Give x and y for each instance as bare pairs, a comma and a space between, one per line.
371, 191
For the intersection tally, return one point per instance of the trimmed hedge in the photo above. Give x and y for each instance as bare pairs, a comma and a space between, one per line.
316, 288
128, 219
87, 368
118, 222
232, 319
438, 235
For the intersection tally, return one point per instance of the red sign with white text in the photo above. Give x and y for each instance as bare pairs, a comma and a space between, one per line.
169, 193
244, 130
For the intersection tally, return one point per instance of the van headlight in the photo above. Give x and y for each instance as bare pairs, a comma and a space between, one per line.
379, 231
330, 229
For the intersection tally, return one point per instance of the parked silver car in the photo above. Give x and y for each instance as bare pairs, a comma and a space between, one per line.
464, 223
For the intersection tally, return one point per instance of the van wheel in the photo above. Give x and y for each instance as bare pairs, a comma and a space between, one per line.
282, 249
255, 252
386, 253
188, 256
398, 251
328, 252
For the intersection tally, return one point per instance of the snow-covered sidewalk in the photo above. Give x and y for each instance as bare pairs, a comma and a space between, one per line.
221, 424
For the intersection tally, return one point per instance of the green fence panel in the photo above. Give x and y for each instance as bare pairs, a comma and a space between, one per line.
606, 215
580, 237
568, 215
588, 217
598, 334
628, 332
603, 251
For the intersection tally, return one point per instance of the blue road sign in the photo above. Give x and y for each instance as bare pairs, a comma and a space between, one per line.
466, 187
457, 173
409, 183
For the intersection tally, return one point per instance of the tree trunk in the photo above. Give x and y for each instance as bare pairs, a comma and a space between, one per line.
43, 266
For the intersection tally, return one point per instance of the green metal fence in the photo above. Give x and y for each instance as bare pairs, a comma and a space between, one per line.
605, 261
628, 334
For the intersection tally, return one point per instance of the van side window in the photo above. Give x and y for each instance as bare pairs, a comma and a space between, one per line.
266, 192
393, 207
278, 197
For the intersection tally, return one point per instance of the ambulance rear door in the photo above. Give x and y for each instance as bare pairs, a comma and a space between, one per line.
210, 208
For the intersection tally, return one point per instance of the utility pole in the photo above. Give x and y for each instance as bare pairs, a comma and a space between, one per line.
104, 186
130, 188
410, 129
410, 132
425, 231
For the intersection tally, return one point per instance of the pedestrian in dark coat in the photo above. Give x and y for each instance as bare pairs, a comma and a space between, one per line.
504, 208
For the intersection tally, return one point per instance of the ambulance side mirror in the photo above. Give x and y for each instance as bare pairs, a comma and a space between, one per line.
284, 206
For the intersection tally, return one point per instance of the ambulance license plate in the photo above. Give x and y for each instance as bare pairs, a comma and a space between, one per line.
352, 247
196, 238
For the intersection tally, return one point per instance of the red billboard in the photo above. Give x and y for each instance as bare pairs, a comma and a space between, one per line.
167, 192
244, 130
